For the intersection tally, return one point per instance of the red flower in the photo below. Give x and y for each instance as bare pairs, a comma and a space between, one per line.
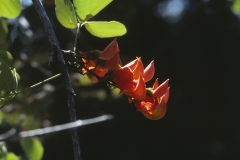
131, 78
137, 68
125, 81
94, 70
153, 106
111, 56
98, 63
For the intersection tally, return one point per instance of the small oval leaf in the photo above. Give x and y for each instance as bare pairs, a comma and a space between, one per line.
4, 33
65, 13
3, 151
6, 56
86, 9
11, 156
32, 147
105, 29
10, 8
6, 77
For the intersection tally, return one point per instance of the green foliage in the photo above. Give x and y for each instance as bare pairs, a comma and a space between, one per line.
32, 148
67, 20
10, 8
88, 9
6, 56
8, 80
69, 15
3, 151
11, 156
4, 33
236, 6
105, 29
6, 77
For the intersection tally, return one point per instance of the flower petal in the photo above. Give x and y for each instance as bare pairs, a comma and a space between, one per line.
136, 67
113, 63
166, 95
140, 90
155, 85
110, 50
160, 90
149, 72
158, 112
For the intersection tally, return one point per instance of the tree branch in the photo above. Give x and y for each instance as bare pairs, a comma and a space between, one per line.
13, 133
56, 50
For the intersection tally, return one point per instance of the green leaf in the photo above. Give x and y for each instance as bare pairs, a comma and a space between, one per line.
5, 97
105, 29
32, 148
3, 151
11, 156
6, 56
86, 9
236, 6
4, 33
16, 78
65, 13
10, 8
6, 77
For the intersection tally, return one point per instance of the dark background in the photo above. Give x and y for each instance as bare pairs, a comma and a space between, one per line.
198, 49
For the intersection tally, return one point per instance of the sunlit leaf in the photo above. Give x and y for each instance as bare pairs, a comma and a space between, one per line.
236, 6
86, 9
105, 29
65, 13
11, 156
4, 33
5, 96
6, 56
32, 148
16, 78
6, 77
10, 8
3, 151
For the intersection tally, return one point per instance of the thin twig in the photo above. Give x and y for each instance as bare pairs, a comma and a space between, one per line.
37, 84
55, 45
13, 134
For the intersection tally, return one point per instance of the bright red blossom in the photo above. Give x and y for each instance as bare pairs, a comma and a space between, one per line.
98, 63
155, 107
130, 79
124, 78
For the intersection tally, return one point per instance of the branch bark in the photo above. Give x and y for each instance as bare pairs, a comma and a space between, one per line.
56, 50
13, 133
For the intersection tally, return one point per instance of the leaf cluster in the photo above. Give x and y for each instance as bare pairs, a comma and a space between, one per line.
81, 11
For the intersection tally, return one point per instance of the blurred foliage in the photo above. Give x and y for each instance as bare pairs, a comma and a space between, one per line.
11, 156
199, 53
32, 148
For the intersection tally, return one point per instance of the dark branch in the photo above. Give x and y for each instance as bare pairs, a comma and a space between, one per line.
56, 50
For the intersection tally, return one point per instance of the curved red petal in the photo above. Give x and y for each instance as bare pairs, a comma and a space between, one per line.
110, 50
113, 63
166, 95
158, 112
149, 72
160, 90
140, 90
155, 85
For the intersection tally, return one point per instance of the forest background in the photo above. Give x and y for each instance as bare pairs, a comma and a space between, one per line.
194, 43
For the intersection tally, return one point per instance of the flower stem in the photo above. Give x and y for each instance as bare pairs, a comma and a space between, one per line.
37, 84
75, 42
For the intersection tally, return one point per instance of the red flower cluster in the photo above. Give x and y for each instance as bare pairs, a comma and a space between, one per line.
130, 79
